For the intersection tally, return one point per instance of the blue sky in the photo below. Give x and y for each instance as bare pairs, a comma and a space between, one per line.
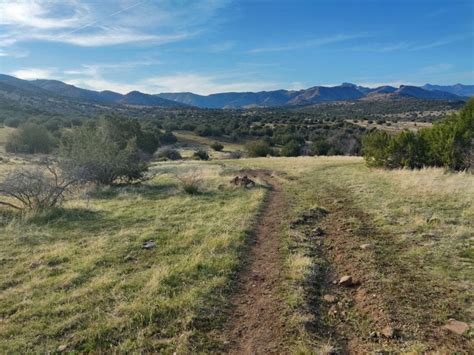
208, 46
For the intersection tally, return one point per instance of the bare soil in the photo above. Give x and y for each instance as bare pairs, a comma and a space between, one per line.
391, 305
256, 325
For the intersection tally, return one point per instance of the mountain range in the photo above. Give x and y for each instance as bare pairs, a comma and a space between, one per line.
12, 88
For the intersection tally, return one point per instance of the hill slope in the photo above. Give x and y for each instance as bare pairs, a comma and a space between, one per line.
457, 89
234, 100
311, 96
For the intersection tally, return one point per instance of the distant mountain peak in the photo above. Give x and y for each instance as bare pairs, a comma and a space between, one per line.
277, 98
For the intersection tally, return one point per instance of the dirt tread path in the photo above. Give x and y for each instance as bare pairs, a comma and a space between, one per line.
256, 325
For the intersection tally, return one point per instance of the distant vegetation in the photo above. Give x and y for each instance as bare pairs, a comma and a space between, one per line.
449, 143
31, 138
259, 149
217, 146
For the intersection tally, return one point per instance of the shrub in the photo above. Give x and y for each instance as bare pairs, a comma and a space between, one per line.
319, 147
375, 148
30, 138
291, 149
201, 155
12, 122
259, 149
35, 189
150, 137
451, 140
168, 138
169, 154
92, 155
191, 181
207, 130
217, 146
407, 150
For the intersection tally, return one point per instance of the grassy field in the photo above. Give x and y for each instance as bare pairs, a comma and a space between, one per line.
189, 142
416, 273
78, 277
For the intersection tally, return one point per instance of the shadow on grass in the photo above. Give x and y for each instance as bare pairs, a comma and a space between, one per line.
65, 216
150, 192
7, 215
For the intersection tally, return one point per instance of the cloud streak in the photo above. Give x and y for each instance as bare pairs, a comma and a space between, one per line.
412, 46
33, 73
95, 24
316, 42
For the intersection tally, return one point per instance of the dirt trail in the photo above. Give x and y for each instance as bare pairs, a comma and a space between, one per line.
256, 326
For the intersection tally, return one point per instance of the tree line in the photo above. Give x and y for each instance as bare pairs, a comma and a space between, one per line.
449, 144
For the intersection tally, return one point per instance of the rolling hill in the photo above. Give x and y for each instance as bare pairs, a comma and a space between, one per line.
13, 89
311, 96
457, 89
110, 97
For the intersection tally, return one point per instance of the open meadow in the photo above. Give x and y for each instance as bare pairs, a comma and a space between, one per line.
128, 269
151, 268
237, 177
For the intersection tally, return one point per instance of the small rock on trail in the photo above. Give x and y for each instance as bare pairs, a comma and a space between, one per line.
346, 280
456, 326
243, 181
330, 298
388, 332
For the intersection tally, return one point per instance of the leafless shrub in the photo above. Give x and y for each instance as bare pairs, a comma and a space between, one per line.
35, 189
191, 181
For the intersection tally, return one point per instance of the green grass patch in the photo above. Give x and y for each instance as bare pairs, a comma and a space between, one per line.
79, 276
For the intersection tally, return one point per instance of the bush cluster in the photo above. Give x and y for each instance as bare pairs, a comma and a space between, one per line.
259, 149
449, 143
112, 150
31, 138
201, 155
217, 146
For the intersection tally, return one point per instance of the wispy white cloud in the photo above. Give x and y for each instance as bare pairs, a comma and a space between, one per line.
33, 73
92, 77
315, 42
98, 69
383, 48
100, 84
109, 37
205, 84
440, 42
436, 68
410, 46
102, 23
41, 14
14, 53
